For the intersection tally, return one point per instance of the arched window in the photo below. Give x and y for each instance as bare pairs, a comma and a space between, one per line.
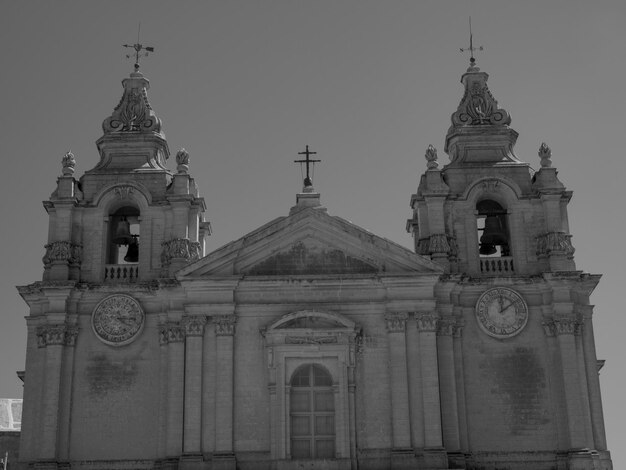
493, 233
123, 246
312, 414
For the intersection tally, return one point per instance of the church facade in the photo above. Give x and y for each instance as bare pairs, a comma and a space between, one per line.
310, 342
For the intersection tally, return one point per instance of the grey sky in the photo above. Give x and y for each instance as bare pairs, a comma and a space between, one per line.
245, 85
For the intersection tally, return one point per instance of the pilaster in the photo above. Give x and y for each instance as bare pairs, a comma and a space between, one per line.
172, 337
447, 384
223, 456
192, 427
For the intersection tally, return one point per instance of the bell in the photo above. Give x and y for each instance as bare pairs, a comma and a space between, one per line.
132, 255
122, 233
493, 235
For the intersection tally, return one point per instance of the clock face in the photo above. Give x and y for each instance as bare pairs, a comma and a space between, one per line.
501, 312
117, 319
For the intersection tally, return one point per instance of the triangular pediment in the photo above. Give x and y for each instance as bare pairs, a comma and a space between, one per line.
310, 242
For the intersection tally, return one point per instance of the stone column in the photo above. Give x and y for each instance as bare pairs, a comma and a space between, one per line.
416, 400
173, 337
52, 337
565, 329
593, 381
460, 385
194, 331
396, 327
427, 325
447, 384
223, 456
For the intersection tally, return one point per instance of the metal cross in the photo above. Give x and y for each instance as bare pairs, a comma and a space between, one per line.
471, 47
307, 161
138, 48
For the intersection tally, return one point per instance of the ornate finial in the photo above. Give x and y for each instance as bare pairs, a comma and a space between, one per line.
138, 50
431, 158
307, 181
545, 154
182, 159
471, 49
68, 162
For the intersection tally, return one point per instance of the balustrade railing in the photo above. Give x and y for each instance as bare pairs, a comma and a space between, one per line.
495, 266
121, 272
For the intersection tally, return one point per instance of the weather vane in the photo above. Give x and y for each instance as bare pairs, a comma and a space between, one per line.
307, 161
140, 50
471, 47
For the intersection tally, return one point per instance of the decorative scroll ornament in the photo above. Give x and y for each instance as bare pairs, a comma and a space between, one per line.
478, 107
224, 325
555, 243
194, 325
68, 162
396, 321
117, 319
181, 248
123, 192
545, 154
182, 159
133, 113
60, 334
62, 251
431, 158
171, 333
490, 186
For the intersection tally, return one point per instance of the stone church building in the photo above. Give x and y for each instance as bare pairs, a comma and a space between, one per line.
310, 342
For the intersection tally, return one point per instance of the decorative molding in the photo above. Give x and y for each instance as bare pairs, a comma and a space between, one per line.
423, 247
549, 329
224, 325
194, 325
545, 154
563, 326
438, 243
179, 248
62, 251
310, 339
60, 334
396, 321
426, 322
555, 242
171, 333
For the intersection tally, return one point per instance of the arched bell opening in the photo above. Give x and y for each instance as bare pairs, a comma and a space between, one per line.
493, 232
123, 245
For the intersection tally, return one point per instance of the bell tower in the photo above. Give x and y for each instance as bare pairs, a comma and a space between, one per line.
520, 371
129, 218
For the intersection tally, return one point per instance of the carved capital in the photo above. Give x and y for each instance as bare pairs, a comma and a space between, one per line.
555, 243
566, 326
396, 321
224, 325
60, 334
426, 322
438, 243
194, 325
62, 251
171, 333
549, 329
446, 327
181, 248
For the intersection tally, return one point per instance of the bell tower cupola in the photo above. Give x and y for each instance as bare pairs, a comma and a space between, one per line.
486, 212
129, 218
